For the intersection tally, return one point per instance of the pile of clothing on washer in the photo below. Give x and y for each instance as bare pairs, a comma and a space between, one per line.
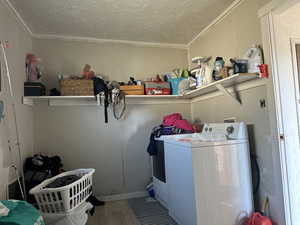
172, 124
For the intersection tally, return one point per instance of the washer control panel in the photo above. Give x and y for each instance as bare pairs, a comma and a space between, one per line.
230, 130
234, 131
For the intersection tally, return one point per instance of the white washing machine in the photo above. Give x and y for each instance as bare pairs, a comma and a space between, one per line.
208, 176
158, 170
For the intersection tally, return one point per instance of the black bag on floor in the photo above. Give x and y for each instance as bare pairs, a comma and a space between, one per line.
39, 168
42, 163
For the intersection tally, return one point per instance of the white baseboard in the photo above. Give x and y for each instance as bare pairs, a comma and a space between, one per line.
125, 196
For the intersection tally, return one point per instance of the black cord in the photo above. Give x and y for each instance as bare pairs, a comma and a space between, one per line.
256, 167
117, 100
106, 104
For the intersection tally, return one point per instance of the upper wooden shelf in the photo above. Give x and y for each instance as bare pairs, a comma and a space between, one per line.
220, 85
226, 83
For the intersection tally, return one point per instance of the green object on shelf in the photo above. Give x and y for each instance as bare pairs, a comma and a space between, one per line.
185, 73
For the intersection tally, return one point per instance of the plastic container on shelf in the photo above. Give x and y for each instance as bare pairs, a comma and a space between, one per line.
254, 55
174, 84
67, 198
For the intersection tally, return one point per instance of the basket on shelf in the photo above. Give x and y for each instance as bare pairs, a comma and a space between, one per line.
73, 87
67, 198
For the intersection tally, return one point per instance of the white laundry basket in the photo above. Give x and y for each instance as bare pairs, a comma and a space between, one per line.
66, 198
77, 216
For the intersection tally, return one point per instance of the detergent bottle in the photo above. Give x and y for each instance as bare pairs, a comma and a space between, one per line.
254, 56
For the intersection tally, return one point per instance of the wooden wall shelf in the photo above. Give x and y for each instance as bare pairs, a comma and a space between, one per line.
220, 85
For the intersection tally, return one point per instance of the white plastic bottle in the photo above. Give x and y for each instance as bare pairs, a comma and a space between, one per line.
254, 56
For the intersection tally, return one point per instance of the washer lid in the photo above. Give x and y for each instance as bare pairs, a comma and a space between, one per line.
193, 143
165, 137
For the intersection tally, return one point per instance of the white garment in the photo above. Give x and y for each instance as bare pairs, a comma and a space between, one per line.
3, 210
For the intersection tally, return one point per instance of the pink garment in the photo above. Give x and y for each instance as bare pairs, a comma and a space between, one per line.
32, 67
169, 120
176, 120
183, 124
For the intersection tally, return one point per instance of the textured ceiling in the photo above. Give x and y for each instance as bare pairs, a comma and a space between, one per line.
163, 21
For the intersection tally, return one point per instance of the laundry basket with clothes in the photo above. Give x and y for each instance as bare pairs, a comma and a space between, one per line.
62, 199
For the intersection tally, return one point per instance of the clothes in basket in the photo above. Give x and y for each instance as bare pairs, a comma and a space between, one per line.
63, 181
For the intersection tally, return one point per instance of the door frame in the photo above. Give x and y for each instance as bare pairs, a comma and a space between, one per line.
294, 42
270, 13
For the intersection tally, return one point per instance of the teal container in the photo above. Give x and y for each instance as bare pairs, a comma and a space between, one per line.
174, 84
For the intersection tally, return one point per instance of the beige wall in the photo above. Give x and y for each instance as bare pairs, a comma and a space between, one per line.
231, 38
116, 150
114, 60
21, 43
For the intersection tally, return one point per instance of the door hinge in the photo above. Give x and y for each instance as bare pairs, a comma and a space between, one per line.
281, 137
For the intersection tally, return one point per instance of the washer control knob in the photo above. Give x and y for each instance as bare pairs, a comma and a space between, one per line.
230, 129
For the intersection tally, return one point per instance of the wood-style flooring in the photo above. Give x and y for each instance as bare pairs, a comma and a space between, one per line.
114, 213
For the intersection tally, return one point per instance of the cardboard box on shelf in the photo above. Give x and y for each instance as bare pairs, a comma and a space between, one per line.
133, 89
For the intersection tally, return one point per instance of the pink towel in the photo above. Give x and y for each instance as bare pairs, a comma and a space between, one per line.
183, 124
176, 120
169, 120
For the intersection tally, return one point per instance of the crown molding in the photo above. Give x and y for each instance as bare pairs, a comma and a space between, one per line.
267, 8
221, 17
100, 40
17, 15
276, 6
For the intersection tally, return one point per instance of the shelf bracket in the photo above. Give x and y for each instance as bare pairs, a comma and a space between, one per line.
227, 93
